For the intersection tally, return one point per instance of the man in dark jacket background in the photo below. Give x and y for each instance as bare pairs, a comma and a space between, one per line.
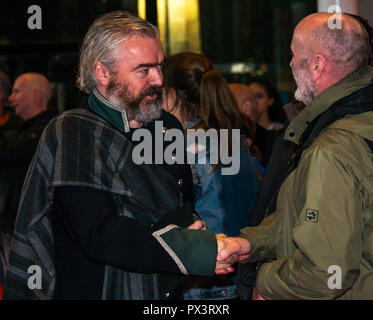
30, 96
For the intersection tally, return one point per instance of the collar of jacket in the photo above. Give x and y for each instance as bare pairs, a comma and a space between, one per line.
353, 82
111, 113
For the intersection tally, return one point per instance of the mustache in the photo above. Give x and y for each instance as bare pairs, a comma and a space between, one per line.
134, 104
152, 90
147, 92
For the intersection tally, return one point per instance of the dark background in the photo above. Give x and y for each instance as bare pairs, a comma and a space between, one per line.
251, 31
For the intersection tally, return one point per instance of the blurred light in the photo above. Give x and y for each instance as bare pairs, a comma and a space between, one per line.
179, 25
141, 8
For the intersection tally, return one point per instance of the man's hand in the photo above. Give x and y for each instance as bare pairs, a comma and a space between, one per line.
230, 251
198, 225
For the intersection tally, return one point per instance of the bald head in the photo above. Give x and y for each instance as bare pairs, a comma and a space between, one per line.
245, 99
30, 95
323, 56
348, 46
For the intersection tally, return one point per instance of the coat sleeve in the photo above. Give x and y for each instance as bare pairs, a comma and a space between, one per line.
327, 233
261, 239
88, 217
207, 196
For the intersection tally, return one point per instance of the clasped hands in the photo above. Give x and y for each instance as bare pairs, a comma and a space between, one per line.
230, 249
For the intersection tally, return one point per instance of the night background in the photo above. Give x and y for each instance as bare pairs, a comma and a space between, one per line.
243, 38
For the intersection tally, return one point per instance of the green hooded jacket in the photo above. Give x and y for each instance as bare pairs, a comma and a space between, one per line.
319, 242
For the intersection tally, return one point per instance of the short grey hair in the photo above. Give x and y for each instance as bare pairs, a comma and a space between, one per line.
347, 47
4, 85
104, 36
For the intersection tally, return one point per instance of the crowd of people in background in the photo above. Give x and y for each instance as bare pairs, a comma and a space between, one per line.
83, 205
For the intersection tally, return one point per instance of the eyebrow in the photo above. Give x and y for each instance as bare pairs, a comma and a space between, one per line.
148, 65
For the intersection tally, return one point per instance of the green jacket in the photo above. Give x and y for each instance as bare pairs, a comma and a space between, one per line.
324, 215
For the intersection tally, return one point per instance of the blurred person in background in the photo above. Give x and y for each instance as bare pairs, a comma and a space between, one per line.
248, 105
9, 122
271, 117
200, 98
30, 96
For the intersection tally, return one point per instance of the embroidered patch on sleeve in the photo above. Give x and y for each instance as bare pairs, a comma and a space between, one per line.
312, 215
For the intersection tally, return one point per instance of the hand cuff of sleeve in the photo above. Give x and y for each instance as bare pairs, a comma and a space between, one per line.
194, 251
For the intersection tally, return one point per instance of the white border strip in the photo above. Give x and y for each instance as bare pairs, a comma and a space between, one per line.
157, 235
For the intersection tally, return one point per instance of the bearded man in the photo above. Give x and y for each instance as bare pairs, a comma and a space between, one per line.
98, 225
316, 239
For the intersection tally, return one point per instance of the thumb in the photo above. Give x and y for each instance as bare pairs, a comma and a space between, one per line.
197, 225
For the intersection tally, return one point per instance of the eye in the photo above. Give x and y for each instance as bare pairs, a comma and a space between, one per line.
144, 72
259, 95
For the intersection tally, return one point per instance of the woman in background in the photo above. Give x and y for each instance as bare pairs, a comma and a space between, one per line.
200, 98
271, 117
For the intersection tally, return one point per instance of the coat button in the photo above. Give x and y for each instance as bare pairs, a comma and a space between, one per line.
164, 129
173, 156
180, 182
167, 294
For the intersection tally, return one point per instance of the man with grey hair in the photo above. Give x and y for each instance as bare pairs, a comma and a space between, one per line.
98, 225
316, 237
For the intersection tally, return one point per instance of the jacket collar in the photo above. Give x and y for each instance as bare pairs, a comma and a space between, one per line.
111, 113
353, 82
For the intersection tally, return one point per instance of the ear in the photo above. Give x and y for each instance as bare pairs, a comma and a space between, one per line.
317, 67
102, 74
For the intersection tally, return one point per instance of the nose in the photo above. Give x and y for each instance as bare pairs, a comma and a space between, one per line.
156, 78
292, 62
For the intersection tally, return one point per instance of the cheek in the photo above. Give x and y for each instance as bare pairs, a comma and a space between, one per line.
262, 106
138, 86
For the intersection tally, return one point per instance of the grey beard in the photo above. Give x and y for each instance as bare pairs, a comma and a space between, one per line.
305, 97
149, 113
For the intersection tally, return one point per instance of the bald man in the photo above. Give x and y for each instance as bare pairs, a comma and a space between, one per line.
30, 96
317, 196
245, 99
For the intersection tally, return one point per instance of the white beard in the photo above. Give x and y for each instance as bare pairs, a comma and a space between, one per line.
305, 91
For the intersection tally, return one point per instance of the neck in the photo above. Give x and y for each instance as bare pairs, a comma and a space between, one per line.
100, 94
263, 120
33, 114
134, 124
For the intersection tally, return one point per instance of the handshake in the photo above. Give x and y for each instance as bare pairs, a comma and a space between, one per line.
230, 249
